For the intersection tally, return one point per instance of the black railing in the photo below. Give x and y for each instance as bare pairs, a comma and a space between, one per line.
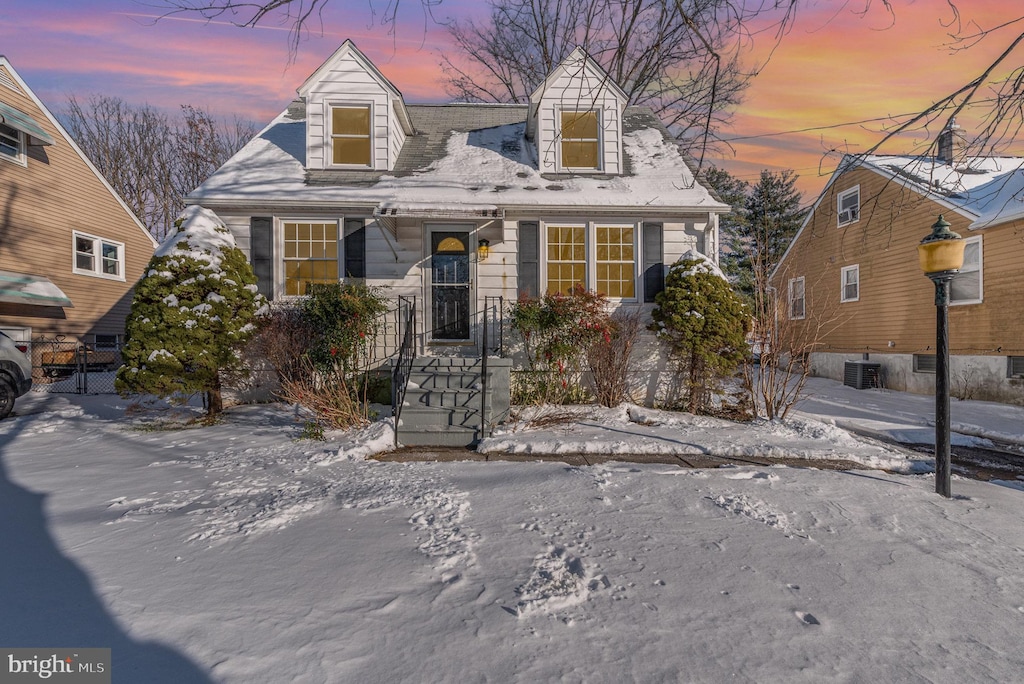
403, 359
493, 326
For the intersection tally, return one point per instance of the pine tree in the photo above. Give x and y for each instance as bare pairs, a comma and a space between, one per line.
774, 216
193, 309
733, 227
704, 323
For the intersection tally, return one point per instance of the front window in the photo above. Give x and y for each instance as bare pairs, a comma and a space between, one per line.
851, 283
350, 136
12, 143
98, 257
796, 298
849, 205
310, 254
580, 143
593, 256
966, 285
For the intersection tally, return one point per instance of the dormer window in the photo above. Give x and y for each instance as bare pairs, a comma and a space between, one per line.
580, 140
350, 136
12, 144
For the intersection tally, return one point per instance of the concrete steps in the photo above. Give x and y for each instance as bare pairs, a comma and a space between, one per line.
443, 400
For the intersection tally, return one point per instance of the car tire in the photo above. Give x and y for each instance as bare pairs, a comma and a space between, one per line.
7, 397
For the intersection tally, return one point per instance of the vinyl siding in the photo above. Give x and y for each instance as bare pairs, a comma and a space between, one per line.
579, 92
42, 204
896, 302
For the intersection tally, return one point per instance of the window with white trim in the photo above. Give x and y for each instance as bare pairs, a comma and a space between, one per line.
966, 287
580, 136
310, 254
12, 144
797, 298
850, 279
600, 257
351, 135
848, 205
98, 257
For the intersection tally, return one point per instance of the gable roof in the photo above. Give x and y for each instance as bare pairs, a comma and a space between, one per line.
460, 155
5, 63
348, 49
579, 59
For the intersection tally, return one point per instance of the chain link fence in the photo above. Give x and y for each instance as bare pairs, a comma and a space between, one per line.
75, 367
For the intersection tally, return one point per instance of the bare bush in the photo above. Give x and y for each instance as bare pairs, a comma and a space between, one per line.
609, 357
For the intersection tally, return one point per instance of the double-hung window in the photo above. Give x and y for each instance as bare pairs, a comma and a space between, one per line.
796, 298
850, 278
98, 257
594, 256
580, 140
351, 136
310, 254
12, 144
966, 287
849, 205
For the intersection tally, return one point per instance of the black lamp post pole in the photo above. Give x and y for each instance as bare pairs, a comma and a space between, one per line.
942, 454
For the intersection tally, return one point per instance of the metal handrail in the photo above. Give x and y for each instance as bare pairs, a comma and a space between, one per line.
403, 360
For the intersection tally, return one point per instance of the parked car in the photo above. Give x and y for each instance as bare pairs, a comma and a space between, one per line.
15, 373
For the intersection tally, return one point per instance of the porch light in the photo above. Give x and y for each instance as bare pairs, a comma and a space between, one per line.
483, 249
941, 254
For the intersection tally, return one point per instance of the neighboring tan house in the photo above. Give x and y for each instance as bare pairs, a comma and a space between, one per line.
851, 279
70, 249
457, 205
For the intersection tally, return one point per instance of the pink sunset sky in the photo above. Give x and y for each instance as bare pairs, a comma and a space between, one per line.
835, 70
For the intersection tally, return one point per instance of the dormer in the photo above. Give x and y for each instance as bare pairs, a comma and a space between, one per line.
576, 119
355, 118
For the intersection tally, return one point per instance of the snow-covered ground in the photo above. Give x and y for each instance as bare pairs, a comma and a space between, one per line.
240, 553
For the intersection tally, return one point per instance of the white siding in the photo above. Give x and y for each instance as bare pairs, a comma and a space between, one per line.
681, 236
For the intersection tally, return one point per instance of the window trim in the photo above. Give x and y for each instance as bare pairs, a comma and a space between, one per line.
928, 368
329, 135
598, 113
855, 190
1010, 367
803, 299
281, 273
97, 271
590, 250
855, 268
20, 158
981, 274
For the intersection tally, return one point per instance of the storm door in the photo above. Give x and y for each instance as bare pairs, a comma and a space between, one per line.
450, 285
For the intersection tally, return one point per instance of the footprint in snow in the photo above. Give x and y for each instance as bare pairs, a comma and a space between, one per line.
806, 618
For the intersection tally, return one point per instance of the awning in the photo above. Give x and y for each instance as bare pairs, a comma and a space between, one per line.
25, 123
19, 288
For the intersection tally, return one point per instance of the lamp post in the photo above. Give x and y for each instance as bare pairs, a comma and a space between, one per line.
941, 254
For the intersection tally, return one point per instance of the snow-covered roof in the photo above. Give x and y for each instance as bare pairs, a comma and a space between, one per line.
989, 188
460, 155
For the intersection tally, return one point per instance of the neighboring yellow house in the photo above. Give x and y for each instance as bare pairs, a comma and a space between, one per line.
70, 249
851, 278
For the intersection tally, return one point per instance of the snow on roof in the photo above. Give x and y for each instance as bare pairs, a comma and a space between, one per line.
485, 166
990, 188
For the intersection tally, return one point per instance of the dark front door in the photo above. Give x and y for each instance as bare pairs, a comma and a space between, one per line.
449, 285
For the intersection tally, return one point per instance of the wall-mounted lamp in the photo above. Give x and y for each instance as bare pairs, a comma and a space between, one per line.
483, 249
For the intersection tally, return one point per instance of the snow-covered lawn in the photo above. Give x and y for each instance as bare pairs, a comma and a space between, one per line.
238, 553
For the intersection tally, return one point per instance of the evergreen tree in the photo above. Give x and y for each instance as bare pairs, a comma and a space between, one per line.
704, 323
733, 227
774, 216
194, 307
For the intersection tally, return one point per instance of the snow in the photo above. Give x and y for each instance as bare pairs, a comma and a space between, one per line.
240, 553
477, 170
204, 234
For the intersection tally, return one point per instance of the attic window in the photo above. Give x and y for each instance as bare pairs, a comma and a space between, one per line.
849, 205
12, 143
350, 136
580, 140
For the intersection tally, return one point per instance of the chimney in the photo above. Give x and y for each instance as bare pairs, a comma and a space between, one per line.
952, 143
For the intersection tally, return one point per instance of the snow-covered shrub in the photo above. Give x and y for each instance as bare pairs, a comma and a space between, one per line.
704, 323
193, 309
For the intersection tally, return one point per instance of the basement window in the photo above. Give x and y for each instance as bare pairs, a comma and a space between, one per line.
1015, 366
924, 363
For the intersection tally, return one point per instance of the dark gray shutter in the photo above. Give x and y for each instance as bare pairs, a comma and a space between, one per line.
261, 253
654, 267
355, 248
529, 259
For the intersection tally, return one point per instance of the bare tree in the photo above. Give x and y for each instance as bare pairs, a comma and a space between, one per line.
680, 58
152, 159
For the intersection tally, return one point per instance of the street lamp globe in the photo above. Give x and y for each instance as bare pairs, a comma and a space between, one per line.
942, 250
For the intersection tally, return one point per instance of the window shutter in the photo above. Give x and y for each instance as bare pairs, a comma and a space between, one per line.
529, 259
355, 248
654, 266
261, 253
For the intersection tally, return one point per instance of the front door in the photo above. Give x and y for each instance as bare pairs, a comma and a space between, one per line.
450, 285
